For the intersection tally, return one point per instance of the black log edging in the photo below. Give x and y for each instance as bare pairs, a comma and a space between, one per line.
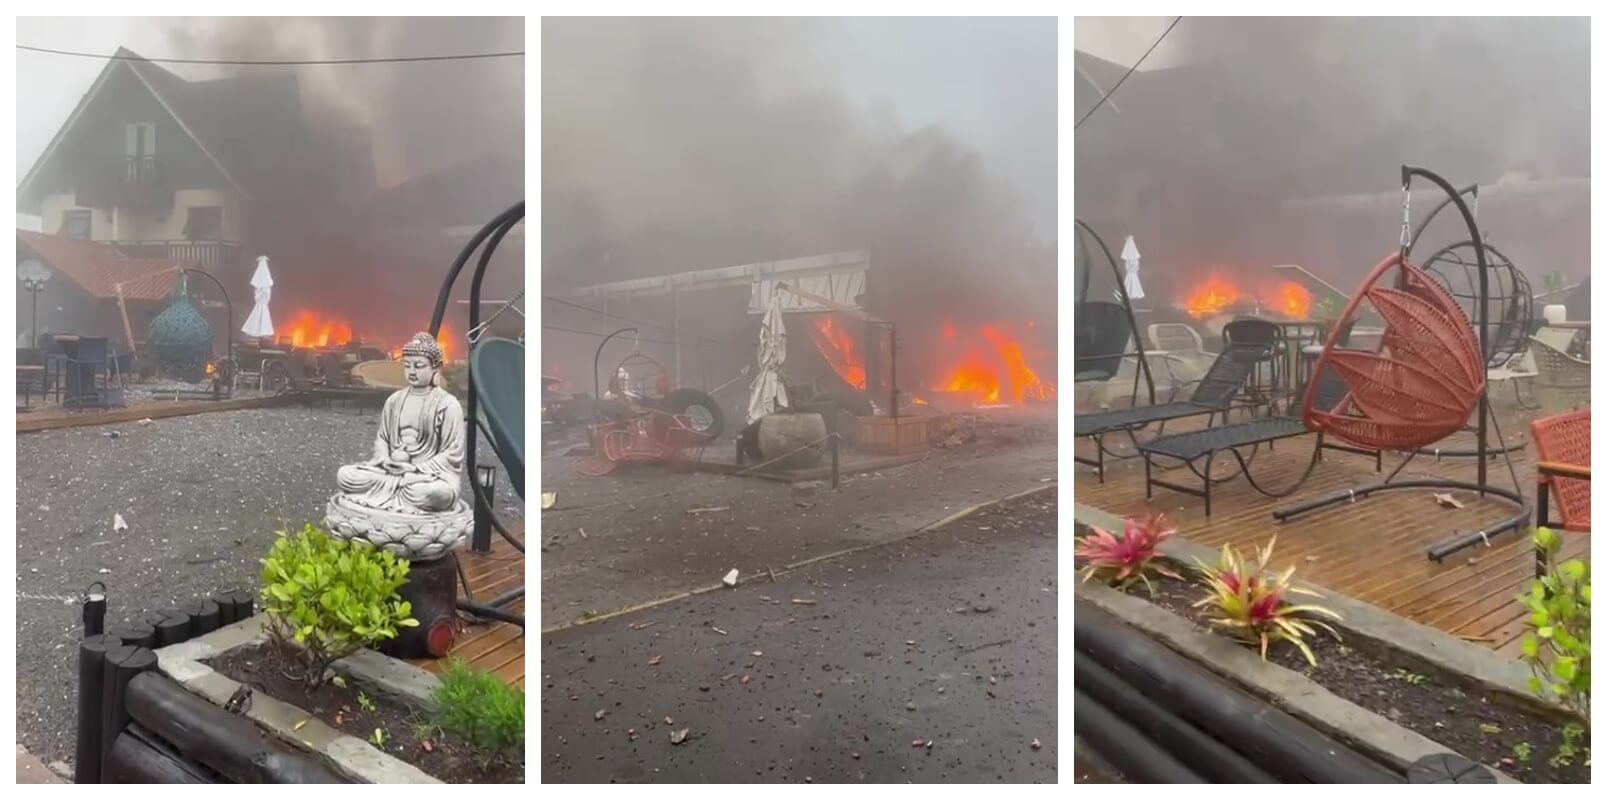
1266, 735
175, 627
137, 634
1195, 748
234, 605
140, 757
232, 745
204, 616
91, 687
1124, 746
123, 664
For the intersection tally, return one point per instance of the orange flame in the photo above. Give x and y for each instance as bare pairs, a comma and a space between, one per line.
997, 370
311, 329
1290, 299
839, 349
1211, 297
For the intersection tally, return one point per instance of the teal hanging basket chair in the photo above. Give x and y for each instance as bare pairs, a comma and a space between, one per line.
180, 338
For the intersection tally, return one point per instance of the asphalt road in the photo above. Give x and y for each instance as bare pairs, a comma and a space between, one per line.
203, 497
641, 534
948, 637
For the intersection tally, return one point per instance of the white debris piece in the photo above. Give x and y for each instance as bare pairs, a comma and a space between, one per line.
731, 579
118, 523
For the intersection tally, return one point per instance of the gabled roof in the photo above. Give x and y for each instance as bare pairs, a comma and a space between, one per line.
99, 267
212, 113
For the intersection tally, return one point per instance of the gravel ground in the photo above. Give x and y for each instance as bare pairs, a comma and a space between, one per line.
203, 497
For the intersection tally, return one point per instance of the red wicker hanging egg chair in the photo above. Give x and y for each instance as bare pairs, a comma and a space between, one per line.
1423, 381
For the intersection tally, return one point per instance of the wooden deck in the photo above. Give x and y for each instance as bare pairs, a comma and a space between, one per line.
1374, 550
496, 647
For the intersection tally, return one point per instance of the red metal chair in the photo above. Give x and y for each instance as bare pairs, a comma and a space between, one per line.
1563, 445
1424, 380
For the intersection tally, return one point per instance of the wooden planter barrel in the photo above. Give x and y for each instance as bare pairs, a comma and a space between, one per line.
892, 436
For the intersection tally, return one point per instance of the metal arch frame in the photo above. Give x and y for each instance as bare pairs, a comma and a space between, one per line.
494, 232
229, 337
1127, 307
1482, 487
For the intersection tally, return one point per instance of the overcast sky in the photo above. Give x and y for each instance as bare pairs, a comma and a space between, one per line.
979, 77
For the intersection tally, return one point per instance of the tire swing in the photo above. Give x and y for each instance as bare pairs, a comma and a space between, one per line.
1422, 382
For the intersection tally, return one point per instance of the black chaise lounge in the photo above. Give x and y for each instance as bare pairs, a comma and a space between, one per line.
1214, 394
1203, 446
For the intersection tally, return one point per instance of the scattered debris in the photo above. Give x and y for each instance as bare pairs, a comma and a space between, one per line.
118, 523
147, 421
427, 745
632, 734
817, 692
710, 510
719, 630
731, 579
667, 720
583, 533
1311, 558
1488, 728
547, 501
800, 601
600, 715
1035, 744
679, 737
655, 661
1448, 500
756, 653
975, 648
641, 626
301, 724
744, 679
104, 571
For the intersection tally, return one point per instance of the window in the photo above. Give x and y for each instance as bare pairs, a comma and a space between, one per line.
140, 144
77, 223
205, 224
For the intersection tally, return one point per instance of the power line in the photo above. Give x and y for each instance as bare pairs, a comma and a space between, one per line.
1107, 95
276, 62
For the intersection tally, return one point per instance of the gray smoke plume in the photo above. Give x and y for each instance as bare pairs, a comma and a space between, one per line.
361, 129
676, 144
1208, 161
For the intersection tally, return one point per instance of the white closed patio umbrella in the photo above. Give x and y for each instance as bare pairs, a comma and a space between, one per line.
768, 394
1130, 269
259, 323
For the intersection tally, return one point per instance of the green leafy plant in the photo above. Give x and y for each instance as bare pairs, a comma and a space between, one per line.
365, 702
378, 738
1135, 555
1556, 645
1406, 676
1573, 738
326, 598
1523, 751
481, 709
1253, 605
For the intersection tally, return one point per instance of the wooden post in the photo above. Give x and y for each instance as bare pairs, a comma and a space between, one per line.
138, 634
204, 616
91, 686
123, 663
174, 627
127, 327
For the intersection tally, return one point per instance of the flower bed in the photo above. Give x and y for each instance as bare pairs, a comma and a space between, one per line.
407, 730
1471, 724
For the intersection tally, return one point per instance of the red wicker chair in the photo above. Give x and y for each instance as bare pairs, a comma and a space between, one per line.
1563, 444
1424, 380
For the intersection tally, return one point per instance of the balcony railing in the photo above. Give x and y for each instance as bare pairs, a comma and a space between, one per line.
204, 254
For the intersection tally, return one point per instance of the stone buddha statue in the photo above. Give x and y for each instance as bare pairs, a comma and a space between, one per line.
407, 497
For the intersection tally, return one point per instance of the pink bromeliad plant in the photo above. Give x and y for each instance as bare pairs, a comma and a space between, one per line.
1253, 606
1133, 556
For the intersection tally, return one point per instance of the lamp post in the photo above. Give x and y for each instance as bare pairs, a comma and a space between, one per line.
34, 276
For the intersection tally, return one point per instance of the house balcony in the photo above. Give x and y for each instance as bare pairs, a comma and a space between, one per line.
132, 182
212, 256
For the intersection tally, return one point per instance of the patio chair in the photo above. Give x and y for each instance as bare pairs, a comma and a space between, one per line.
1562, 382
1214, 394
1177, 344
1563, 469
1205, 445
1518, 373
299, 383
31, 374
84, 373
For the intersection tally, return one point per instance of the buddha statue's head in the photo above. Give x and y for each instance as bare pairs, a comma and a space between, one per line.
422, 357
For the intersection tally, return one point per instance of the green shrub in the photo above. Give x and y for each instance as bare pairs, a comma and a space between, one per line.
329, 598
481, 709
1557, 643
